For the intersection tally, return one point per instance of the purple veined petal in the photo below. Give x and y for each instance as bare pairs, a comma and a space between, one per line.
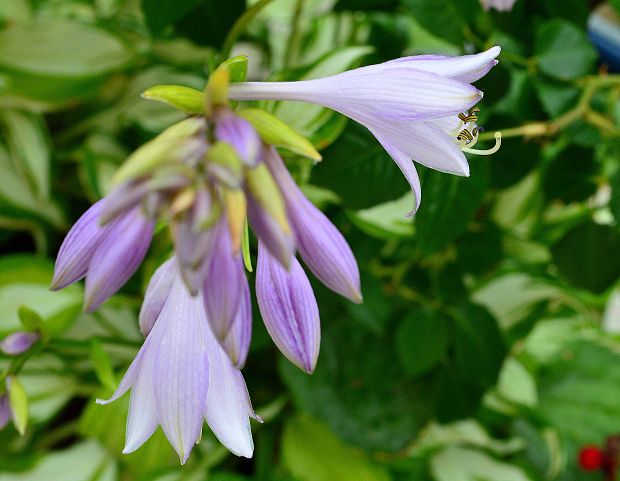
280, 244
289, 309
224, 282
388, 92
5, 410
424, 143
237, 340
466, 68
156, 295
78, 247
229, 408
239, 133
407, 167
181, 364
320, 243
117, 257
18, 342
125, 197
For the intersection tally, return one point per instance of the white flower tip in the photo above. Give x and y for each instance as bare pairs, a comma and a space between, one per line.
495, 50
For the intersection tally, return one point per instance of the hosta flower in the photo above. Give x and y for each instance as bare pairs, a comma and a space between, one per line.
417, 107
18, 342
499, 5
107, 255
182, 376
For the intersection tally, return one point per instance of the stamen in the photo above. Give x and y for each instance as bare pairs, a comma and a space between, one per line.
492, 150
465, 135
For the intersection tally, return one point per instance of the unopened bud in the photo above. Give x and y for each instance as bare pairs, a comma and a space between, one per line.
18, 342
225, 165
186, 99
216, 91
236, 212
266, 193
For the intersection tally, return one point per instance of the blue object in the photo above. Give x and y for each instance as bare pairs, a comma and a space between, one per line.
604, 31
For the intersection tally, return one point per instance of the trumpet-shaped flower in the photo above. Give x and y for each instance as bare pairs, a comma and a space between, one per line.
182, 376
417, 107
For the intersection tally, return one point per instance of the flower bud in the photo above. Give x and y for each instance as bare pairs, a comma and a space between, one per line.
18, 342
224, 164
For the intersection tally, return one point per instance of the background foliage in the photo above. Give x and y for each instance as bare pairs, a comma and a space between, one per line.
487, 347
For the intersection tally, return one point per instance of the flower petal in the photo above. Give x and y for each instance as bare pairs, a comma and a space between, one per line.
321, 245
407, 167
239, 133
117, 257
424, 143
18, 342
181, 365
228, 402
156, 295
78, 247
278, 242
289, 309
466, 68
5, 410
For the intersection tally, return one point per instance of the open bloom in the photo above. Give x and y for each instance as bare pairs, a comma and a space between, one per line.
417, 107
182, 376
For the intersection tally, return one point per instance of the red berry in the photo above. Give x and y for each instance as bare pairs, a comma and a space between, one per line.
591, 458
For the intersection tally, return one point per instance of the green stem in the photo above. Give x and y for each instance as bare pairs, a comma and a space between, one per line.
293, 40
240, 25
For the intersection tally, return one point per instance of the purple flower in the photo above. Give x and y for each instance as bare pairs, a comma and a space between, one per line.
18, 342
289, 309
417, 107
182, 376
5, 410
106, 255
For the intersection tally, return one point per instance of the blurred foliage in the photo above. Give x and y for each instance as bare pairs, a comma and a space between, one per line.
487, 347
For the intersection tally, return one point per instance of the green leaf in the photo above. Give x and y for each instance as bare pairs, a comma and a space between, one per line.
563, 51
103, 365
421, 340
449, 204
571, 175
28, 145
237, 68
18, 400
44, 61
187, 99
386, 221
464, 464
312, 453
448, 18
275, 132
556, 97
159, 14
209, 22
589, 256
30, 319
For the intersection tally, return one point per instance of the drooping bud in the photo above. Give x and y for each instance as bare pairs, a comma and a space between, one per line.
289, 309
117, 257
18, 342
224, 286
279, 243
265, 192
237, 340
179, 143
216, 91
239, 133
78, 247
224, 164
187, 99
191, 248
321, 245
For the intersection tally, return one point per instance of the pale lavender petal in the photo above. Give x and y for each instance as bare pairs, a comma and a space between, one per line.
117, 257
131, 375
289, 309
122, 199
18, 342
237, 340
78, 247
241, 135
405, 164
387, 92
321, 245
5, 410
424, 143
181, 368
156, 295
224, 282
466, 68
279, 243
228, 409
191, 247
